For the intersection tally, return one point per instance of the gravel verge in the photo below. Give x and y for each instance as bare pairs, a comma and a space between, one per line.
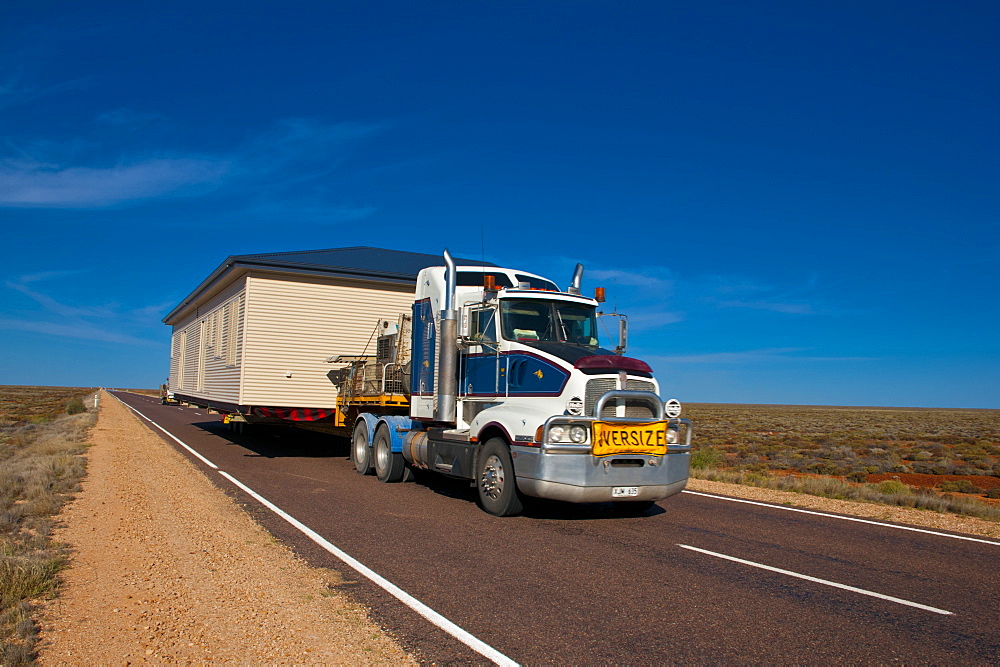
166, 568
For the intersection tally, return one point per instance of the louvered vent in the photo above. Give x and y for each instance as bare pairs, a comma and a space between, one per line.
633, 409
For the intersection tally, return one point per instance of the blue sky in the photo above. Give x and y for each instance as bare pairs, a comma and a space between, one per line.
794, 202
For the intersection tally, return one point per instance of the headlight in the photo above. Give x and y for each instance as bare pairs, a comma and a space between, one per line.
556, 433
673, 436
578, 434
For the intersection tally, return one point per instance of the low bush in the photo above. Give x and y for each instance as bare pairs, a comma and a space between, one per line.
893, 487
706, 457
75, 406
959, 486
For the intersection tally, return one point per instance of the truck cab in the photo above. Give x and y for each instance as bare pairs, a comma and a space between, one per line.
538, 407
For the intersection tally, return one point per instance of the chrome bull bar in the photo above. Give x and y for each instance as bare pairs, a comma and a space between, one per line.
659, 414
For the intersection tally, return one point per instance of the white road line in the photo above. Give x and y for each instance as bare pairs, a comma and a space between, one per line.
844, 518
416, 605
821, 581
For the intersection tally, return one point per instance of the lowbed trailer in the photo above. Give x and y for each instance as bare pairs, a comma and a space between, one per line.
477, 372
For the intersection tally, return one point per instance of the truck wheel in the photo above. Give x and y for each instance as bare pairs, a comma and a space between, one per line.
361, 453
389, 465
634, 508
498, 492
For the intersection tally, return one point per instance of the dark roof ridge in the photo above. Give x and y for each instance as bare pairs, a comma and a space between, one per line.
302, 252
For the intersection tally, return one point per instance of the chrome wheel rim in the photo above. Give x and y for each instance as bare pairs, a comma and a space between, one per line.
359, 446
381, 454
493, 477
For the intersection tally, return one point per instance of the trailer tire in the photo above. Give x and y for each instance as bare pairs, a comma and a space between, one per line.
495, 480
361, 453
389, 465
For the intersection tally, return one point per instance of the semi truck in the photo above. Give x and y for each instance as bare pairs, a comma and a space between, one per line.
492, 375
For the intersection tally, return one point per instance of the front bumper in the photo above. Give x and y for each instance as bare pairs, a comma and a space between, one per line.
582, 478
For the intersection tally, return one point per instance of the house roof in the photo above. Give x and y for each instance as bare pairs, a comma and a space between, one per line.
361, 262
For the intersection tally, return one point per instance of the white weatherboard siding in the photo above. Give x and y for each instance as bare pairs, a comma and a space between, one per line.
206, 350
294, 323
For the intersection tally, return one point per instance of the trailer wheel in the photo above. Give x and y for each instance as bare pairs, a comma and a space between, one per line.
498, 492
361, 453
389, 465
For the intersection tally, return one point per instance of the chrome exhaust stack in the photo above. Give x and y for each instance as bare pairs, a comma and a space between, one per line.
574, 287
447, 388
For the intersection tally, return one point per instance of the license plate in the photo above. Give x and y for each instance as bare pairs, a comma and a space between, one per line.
648, 438
624, 491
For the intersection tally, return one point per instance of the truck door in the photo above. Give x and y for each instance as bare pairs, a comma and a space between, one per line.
480, 375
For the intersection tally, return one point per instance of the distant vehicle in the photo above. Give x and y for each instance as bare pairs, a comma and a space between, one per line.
167, 395
478, 372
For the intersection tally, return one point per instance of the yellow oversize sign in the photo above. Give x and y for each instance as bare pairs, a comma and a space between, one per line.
647, 438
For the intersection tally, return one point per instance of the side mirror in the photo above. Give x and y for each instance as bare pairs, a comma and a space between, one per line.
622, 335
464, 323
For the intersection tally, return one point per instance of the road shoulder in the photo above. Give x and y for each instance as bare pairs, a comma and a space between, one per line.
166, 567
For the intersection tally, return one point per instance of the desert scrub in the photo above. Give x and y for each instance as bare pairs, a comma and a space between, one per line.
40, 467
705, 457
960, 486
890, 492
26, 405
851, 442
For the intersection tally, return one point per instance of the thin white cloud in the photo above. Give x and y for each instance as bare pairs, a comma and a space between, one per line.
304, 146
48, 275
24, 184
773, 306
108, 323
648, 279
742, 292
58, 308
80, 330
652, 318
151, 314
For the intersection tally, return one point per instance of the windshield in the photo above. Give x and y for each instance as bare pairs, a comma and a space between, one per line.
532, 320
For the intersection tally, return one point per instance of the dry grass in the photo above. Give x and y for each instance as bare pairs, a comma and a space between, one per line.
40, 467
837, 451
34, 405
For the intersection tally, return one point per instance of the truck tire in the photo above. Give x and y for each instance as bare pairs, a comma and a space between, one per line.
498, 492
361, 453
389, 465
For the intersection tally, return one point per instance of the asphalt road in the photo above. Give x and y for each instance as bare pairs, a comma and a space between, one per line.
578, 584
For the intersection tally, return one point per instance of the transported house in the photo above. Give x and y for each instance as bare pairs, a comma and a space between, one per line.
259, 330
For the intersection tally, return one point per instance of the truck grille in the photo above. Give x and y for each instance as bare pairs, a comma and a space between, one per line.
633, 409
